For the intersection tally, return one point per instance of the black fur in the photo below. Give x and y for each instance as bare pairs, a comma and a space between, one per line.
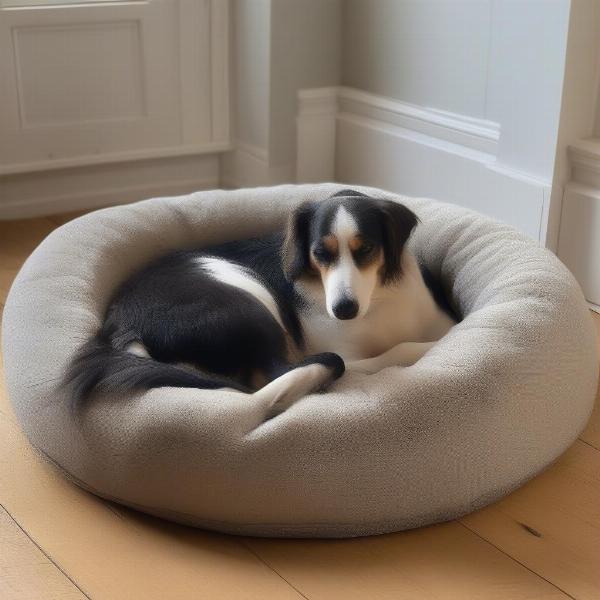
181, 314
99, 366
398, 224
263, 256
295, 249
329, 359
436, 290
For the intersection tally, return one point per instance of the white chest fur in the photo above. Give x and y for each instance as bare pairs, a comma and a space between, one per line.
401, 312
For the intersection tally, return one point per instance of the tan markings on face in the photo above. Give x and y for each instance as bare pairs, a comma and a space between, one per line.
331, 243
355, 242
365, 257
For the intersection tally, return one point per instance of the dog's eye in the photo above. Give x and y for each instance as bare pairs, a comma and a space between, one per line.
322, 255
364, 249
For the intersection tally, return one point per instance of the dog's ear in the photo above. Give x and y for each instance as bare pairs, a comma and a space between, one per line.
295, 249
398, 223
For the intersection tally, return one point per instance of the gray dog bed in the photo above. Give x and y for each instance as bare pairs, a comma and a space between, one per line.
496, 401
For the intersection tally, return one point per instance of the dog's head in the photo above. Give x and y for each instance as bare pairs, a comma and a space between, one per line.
352, 243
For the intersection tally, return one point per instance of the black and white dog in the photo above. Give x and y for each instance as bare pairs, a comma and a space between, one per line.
276, 317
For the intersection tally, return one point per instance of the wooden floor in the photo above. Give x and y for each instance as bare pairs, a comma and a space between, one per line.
58, 542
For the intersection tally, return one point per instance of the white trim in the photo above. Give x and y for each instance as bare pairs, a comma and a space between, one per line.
416, 136
518, 175
320, 110
584, 156
51, 205
49, 192
318, 101
594, 307
115, 157
477, 134
586, 151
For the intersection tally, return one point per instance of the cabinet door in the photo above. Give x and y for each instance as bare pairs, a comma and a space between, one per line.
98, 82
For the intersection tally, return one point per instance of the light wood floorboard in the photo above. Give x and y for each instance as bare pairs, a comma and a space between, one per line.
26, 573
542, 541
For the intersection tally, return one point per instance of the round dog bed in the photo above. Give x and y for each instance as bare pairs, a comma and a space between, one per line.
498, 399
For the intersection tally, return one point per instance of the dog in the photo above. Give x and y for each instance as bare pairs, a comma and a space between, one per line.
276, 317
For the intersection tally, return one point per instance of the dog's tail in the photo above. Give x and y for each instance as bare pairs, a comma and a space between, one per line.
100, 367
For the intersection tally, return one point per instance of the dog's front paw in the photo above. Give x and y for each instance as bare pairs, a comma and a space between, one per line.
333, 363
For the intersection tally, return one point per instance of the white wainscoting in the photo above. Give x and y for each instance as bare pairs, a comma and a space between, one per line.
416, 151
579, 236
89, 87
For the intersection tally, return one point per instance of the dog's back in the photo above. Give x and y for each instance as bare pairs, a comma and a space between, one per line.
194, 319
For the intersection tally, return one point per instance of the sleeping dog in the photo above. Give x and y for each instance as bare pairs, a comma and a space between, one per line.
276, 317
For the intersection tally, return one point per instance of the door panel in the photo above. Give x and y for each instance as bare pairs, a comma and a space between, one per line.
100, 82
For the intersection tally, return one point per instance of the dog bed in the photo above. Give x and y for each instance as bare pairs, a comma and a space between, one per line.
496, 401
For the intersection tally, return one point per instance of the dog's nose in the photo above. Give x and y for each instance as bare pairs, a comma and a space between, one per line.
346, 309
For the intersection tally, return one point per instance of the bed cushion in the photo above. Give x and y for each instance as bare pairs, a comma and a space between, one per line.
502, 395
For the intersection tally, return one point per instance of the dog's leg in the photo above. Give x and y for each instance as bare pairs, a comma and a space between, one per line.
311, 375
403, 355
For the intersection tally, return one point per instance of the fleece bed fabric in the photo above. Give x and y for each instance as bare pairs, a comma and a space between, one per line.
500, 397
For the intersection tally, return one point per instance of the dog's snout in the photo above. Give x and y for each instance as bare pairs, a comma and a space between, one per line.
346, 309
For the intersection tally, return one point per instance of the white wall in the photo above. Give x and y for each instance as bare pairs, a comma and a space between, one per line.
525, 76
251, 73
432, 53
305, 53
279, 47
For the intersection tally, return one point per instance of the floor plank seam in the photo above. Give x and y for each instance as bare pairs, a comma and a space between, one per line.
517, 561
29, 537
588, 444
264, 562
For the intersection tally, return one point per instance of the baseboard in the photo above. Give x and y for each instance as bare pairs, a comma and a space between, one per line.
415, 151
24, 196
